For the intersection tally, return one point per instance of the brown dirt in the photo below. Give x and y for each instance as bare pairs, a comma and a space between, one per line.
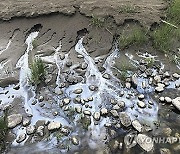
147, 11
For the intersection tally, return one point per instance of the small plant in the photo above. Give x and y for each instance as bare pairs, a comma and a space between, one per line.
38, 72
34, 44
128, 9
150, 61
136, 37
97, 22
3, 133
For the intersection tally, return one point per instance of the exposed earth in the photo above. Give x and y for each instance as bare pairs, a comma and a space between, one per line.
96, 97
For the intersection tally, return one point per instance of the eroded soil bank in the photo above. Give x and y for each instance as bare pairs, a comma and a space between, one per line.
96, 98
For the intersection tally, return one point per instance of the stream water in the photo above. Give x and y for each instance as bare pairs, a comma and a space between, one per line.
107, 88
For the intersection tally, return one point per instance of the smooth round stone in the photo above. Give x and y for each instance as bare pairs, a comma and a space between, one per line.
141, 96
121, 104
78, 91
78, 109
87, 112
66, 101
141, 104
97, 116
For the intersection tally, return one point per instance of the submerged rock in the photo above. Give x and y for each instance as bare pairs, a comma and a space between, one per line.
74, 140
145, 142
21, 138
54, 126
13, 120
30, 129
125, 119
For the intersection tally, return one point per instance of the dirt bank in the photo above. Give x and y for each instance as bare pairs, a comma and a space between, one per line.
145, 11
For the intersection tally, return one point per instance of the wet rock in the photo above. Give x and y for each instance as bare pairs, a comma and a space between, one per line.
176, 75
66, 101
134, 81
157, 78
114, 113
78, 91
165, 151
16, 87
103, 112
34, 102
113, 101
96, 116
68, 64
40, 131
121, 104
176, 102
167, 131
77, 99
93, 88
74, 140
13, 120
141, 96
54, 126
84, 65
78, 109
41, 98
106, 76
162, 99
145, 142
30, 129
128, 85
87, 112
136, 124
160, 87
65, 131
141, 104
116, 107
167, 99
125, 119
21, 138
58, 91
26, 122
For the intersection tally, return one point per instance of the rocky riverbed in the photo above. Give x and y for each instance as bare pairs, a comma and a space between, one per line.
96, 98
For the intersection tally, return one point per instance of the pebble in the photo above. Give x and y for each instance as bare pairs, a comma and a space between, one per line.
141, 96
66, 101
97, 116
74, 140
78, 109
141, 104
78, 91
125, 119
87, 112
103, 112
106, 76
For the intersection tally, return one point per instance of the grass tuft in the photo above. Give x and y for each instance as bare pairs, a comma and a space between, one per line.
97, 22
137, 36
3, 133
38, 72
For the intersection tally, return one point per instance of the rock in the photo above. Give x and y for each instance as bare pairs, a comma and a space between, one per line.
157, 78
136, 124
141, 104
116, 107
54, 126
13, 120
128, 85
26, 122
65, 131
84, 65
166, 74
125, 119
165, 151
96, 116
90, 99
40, 131
141, 96
21, 138
78, 91
162, 99
114, 113
16, 87
93, 88
30, 129
167, 131
78, 109
113, 101
121, 104
66, 101
134, 81
160, 87
68, 64
87, 112
116, 145
34, 102
176, 102
77, 99
145, 142
58, 91
74, 140
103, 112
41, 98
106, 76
168, 99
144, 85
176, 75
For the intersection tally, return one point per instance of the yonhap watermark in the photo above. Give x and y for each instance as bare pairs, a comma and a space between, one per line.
132, 139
